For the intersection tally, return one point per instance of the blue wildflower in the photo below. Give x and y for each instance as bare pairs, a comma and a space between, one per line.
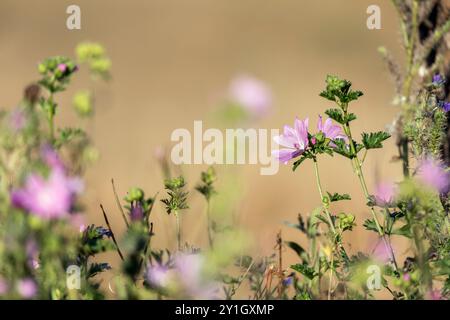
438, 80
445, 106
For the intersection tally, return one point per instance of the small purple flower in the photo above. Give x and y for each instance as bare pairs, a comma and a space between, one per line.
251, 94
438, 79
288, 281
330, 130
27, 288
295, 141
433, 174
406, 277
103, 232
136, 212
385, 194
445, 106
47, 198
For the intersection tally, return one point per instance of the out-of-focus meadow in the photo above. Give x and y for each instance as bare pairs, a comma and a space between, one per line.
172, 64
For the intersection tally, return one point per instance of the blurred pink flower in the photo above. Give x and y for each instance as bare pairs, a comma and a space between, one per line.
186, 275
251, 94
17, 119
78, 221
27, 288
47, 198
51, 158
295, 141
381, 252
31, 249
434, 295
3, 286
433, 173
385, 193
190, 270
158, 276
62, 67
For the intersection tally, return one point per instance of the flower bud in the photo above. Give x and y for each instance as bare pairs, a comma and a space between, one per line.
135, 194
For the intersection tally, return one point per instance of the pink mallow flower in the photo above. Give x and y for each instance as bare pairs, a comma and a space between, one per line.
295, 141
385, 193
330, 130
381, 253
48, 198
433, 174
27, 288
251, 94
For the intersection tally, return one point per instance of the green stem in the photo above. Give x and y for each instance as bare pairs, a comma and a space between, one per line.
336, 237
178, 226
51, 118
208, 217
426, 283
324, 205
357, 167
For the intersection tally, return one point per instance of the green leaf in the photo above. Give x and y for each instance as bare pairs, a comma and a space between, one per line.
68, 134
305, 270
403, 231
346, 221
299, 161
370, 225
338, 116
298, 249
339, 90
374, 140
342, 148
353, 95
338, 197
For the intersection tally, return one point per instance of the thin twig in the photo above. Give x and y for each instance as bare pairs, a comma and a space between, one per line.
112, 233
118, 203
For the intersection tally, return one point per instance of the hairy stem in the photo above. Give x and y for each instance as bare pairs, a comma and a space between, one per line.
336, 237
324, 205
357, 167
208, 217
178, 228
51, 119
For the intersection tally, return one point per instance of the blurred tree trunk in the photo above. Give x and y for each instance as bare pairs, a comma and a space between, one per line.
437, 15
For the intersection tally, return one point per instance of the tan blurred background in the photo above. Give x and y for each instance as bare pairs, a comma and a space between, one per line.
173, 59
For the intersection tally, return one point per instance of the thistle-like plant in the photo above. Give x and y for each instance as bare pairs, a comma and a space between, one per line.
206, 188
175, 202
